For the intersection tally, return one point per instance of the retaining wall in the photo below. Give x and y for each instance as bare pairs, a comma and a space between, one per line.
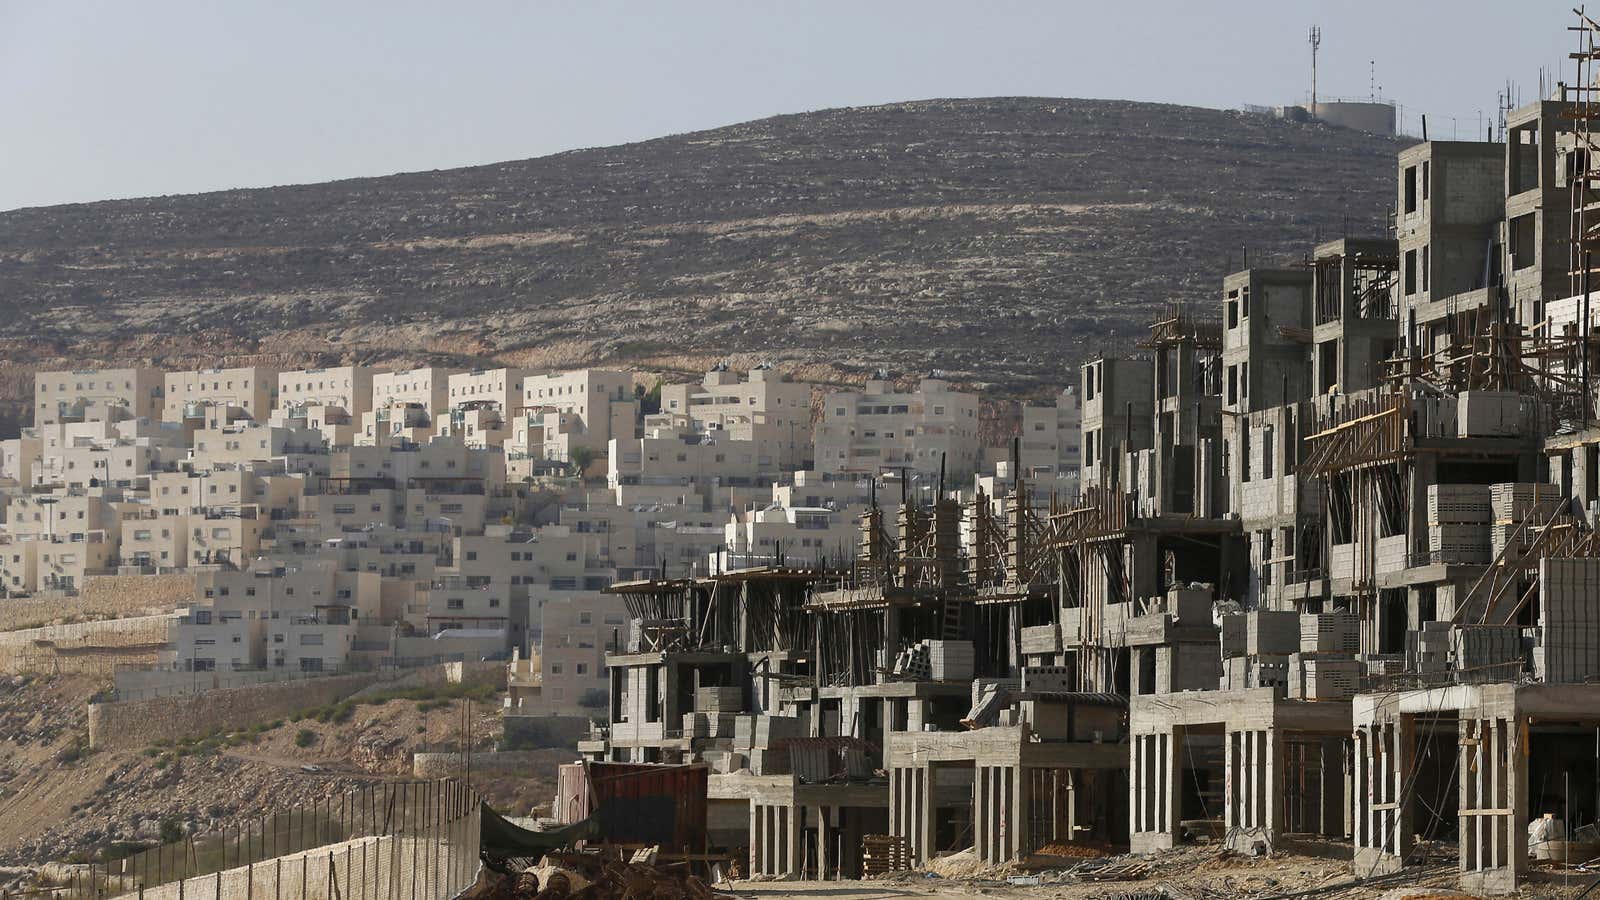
449, 765
129, 724
83, 647
101, 595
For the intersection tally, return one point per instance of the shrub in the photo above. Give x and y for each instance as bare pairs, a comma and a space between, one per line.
171, 830
305, 737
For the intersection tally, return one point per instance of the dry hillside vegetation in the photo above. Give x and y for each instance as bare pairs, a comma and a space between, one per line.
1000, 240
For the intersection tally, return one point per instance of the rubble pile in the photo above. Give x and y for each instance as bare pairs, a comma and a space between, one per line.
587, 876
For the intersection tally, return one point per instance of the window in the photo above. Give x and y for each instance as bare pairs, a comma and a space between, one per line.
455, 603
311, 640
1411, 190
1411, 272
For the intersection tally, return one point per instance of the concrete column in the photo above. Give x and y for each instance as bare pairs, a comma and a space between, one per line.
1383, 818
822, 842
1276, 784
1021, 804
1493, 806
775, 841
756, 835
980, 811
925, 820
795, 819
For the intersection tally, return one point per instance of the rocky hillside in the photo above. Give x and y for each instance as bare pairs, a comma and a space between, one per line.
997, 239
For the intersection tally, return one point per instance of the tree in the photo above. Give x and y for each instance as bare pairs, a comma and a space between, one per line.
581, 458
649, 401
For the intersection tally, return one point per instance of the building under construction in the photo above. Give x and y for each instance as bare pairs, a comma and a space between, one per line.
1333, 575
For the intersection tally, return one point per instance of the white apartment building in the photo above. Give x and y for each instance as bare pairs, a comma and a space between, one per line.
333, 401
219, 395
1050, 437
799, 536
345, 388
567, 676
302, 616
97, 394
764, 407
701, 470
879, 428
500, 388
18, 456
428, 388
229, 446
566, 410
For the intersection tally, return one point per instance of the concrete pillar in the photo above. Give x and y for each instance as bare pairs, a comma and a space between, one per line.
774, 842
1021, 798
1492, 794
1383, 829
793, 815
757, 833
980, 811
1154, 797
823, 835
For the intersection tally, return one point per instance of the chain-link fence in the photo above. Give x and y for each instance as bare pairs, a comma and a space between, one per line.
415, 840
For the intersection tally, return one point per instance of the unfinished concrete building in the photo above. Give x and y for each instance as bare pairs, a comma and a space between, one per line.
1333, 563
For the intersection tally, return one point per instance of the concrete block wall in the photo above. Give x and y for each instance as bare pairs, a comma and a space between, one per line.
1569, 620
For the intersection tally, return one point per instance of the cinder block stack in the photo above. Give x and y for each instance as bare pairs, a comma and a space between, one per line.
1314, 677
951, 660
1272, 632
719, 700
1512, 501
1459, 516
1330, 633
1428, 649
1480, 652
1459, 504
1569, 620
1255, 648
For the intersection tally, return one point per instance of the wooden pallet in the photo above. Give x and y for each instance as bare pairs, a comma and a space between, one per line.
1113, 872
884, 853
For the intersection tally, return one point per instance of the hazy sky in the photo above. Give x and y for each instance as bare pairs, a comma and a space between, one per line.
127, 99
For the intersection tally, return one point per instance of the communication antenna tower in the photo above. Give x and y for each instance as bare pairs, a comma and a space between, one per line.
1315, 39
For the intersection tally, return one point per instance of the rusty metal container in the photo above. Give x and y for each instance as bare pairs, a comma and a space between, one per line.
637, 803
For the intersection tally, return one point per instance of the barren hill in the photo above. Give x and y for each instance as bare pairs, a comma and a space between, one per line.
998, 239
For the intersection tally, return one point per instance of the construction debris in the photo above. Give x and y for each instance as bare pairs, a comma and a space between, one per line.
592, 876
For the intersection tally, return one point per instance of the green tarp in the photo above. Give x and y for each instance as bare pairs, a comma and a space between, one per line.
502, 838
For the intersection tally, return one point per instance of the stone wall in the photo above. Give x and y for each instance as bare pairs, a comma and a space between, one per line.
545, 731
102, 596
452, 765
126, 724
83, 647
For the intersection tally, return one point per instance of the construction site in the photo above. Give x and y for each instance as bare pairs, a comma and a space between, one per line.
1332, 578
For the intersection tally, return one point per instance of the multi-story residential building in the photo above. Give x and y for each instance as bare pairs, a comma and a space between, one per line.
219, 396
687, 468
428, 388
567, 674
566, 410
333, 401
1050, 437
765, 407
97, 395
879, 428
789, 535
500, 388
347, 389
